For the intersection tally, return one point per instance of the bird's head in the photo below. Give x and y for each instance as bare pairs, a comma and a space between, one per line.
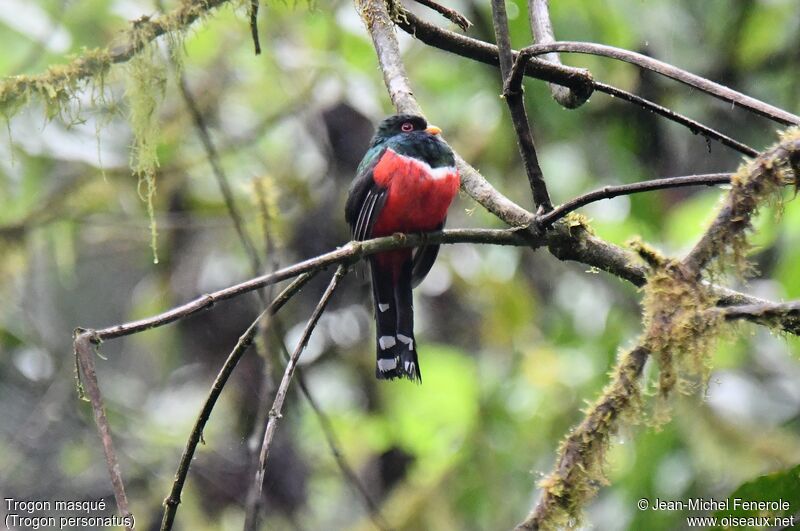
402, 124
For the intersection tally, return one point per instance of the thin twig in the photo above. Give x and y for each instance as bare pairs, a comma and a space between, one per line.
84, 357
578, 80
333, 444
607, 192
450, 14
246, 339
254, 25
660, 67
693, 125
542, 29
519, 117
219, 174
283, 388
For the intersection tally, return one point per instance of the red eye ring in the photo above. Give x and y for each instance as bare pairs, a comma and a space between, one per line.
407, 127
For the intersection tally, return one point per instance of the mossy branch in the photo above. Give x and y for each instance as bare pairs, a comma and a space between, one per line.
681, 325
57, 86
755, 183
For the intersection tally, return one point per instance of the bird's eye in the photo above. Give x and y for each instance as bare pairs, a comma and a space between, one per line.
407, 127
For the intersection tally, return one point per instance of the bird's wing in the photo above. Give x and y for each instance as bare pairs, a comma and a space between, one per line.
423, 260
365, 200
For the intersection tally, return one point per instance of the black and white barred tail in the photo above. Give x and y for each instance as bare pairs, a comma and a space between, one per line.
394, 318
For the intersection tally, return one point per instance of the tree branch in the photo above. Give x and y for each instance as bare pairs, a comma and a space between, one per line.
84, 358
608, 192
450, 14
283, 388
751, 185
542, 30
660, 67
693, 125
347, 254
174, 499
578, 80
516, 106
58, 83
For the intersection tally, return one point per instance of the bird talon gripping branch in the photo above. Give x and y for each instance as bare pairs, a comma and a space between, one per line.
404, 184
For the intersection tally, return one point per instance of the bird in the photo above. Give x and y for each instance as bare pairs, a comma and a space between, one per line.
404, 184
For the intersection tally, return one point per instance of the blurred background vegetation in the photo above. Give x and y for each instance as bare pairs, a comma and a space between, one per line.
513, 343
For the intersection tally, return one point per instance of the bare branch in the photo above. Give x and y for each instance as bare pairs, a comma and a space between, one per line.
693, 125
578, 80
542, 29
607, 192
333, 444
660, 67
174, 499
450, 14
254, 25
347, 254
84, 357
283, 388
516, 105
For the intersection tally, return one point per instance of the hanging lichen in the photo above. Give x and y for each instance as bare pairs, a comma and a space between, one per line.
147, 79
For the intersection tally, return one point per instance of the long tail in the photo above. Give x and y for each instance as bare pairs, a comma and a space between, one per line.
394, 318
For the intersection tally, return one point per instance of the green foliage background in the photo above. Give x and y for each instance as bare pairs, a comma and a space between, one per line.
512, 343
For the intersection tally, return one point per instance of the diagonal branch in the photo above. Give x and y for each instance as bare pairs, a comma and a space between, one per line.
450, 14
174, 499
283, 388
347, 254
660, 67
516, 106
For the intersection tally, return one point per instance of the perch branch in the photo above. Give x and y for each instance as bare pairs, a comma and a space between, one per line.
283, 388
347, 254
542, 30
174, 499
516, 106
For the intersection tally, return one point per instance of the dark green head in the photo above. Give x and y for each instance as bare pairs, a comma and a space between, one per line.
410, 135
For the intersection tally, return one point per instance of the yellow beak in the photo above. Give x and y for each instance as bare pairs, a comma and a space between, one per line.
432, 129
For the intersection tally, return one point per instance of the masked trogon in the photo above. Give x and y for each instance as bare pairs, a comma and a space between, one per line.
405, 183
